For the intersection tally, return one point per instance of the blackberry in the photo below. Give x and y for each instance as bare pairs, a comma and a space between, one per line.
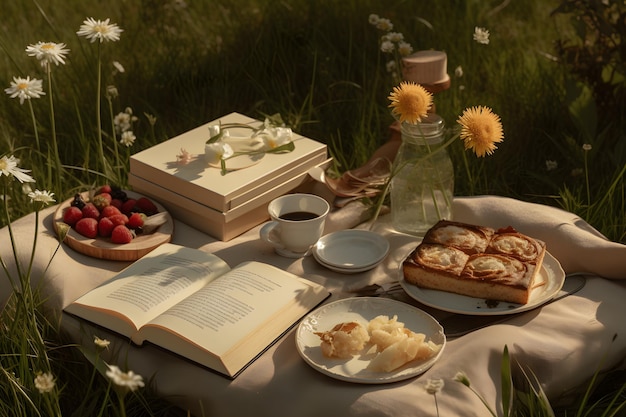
78, 201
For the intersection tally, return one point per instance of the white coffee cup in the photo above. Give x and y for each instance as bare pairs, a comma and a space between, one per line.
297, 223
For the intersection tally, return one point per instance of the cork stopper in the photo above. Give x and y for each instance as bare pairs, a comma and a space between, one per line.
427, 68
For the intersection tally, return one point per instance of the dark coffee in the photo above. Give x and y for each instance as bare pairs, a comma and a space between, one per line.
298, 216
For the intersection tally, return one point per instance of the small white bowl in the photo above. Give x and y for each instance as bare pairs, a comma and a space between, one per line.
351, 250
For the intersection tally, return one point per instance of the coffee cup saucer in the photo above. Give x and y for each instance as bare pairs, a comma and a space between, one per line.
289, 254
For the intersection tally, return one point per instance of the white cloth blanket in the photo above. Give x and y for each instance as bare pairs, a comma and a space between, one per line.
563, 342
578, 246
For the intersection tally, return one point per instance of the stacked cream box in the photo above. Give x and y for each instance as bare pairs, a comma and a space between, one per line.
223, 206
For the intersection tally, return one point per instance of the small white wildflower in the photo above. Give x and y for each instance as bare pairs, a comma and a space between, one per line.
373, 19
48, 52
122, 122
44, 196
481, 35
461, 88
151, 118
387, 47
25, 88
216, 151
384, 24
44, 382
128, 138
405, 48
101, 343
8, 167
395, 37
458, 71
391, 66
462, 378
434, 386
127, 380
99, 30
118, 67
111, 92
551, 165
586, 147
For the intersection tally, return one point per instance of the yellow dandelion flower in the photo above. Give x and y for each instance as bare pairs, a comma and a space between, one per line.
481, 129
410, 102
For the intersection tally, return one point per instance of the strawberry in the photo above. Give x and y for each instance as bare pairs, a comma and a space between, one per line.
88, 227
102, 200
106, 188
128, 206
147, 206
135, 221
121, 234
91, 211
71, 215
109, 211
118, 219
105, 227
116, 202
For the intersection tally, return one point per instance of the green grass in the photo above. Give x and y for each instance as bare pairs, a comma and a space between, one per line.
318, 64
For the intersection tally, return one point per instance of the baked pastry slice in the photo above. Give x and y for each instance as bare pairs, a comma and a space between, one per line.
502, 265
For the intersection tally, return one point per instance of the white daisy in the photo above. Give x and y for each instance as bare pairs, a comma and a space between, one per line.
48, 52
128, 380
25, 88
8, 167
44, 196
100, 30
405, 48
102, 343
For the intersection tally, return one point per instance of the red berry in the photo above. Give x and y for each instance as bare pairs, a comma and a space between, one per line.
109, 211
88, 227
128, 206
135, 220
102, 200
146, 206
116, 202
71, 215
121, 234
90, 210
118, 219
105, 227
106, 188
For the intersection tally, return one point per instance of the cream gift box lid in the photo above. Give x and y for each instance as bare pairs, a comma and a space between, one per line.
206, 185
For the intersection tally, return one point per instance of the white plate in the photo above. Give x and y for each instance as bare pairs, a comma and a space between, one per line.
351, 249
362, 310
343, 270
551, 273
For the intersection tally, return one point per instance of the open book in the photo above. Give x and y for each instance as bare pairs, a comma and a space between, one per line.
192, 303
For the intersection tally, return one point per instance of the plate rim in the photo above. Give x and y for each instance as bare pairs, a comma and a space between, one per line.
549, 264
367, 235
344, 270
403, 373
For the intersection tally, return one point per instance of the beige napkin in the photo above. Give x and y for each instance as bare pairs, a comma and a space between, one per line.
578, 246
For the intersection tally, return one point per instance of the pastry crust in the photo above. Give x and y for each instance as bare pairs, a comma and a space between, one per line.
476, 261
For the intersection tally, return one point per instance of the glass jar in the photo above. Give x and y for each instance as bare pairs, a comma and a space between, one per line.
422, 185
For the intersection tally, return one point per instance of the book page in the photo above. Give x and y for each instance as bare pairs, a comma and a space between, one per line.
236, 304
151, 285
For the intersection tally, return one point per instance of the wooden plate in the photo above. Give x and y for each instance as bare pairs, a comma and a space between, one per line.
103, 248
